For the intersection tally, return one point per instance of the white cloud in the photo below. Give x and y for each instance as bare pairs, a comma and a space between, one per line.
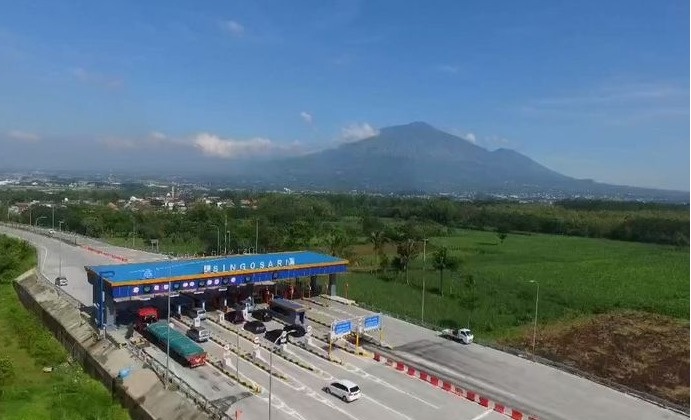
355, 132
116, 143
445, 68
307, 117
234, 28
92, 78
23, 136
212, 145
157, 135
470, 137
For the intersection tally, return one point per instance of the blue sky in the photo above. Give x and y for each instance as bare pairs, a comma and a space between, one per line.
591, 89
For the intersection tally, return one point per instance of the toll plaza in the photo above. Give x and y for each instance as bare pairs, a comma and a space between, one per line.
207, 283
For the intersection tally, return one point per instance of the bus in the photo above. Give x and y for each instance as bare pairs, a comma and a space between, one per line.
287, 311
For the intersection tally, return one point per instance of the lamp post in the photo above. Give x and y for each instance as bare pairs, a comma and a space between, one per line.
424, 268
271, 364
227, 235
218, 239
170, 274
133, 232
537, 297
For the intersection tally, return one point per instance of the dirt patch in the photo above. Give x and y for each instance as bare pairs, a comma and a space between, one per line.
643, 351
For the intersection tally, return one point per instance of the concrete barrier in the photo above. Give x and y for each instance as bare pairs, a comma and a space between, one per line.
141, 393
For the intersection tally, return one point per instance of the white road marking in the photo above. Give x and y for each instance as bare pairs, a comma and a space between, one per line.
483, 415
387, 407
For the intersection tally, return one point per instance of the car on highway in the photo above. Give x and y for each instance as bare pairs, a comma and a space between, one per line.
255, 327
197, 313
61, 281
262, 315
275, 335
463, 335
295, 330
344, 389
199, 334
234, 317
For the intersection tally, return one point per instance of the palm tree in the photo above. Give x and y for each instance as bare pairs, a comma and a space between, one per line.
443, 261
378, 240
407, 250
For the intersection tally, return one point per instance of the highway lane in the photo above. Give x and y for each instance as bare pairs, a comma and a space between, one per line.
386, 393
535, 388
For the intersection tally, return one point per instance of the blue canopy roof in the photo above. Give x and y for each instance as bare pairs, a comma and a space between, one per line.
236, 264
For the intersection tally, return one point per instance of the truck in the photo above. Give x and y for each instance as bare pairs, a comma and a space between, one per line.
182, 347
464, 335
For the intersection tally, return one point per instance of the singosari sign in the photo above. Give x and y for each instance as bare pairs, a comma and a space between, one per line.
253, 265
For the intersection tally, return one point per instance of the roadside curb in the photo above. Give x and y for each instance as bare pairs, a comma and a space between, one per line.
435, 381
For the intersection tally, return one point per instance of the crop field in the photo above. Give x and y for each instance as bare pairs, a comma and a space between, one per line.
576, 276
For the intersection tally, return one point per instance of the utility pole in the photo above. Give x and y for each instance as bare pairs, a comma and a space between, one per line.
133, 232
53, 211
256, 237
225, 236
537, 297
424, 268
170, 274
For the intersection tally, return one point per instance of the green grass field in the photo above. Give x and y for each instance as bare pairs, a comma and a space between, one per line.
577, 276
26, 392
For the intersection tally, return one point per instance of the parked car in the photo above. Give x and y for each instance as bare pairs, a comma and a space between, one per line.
262, 315
346, 390
197, 313
463, 335
61, 281
295, 330
255, 327
199, 334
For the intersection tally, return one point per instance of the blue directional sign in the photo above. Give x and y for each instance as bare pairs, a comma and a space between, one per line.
372, 322
342, 328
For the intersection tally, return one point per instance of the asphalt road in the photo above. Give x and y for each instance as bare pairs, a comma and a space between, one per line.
535, 388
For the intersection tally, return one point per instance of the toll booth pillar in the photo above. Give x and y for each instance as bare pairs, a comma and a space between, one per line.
225, 302
332, 284
313, 285
204, 304
110, 313
179, 310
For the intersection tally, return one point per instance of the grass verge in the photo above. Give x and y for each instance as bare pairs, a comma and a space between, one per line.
26, 391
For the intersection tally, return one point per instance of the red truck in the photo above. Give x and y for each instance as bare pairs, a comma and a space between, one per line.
181, 346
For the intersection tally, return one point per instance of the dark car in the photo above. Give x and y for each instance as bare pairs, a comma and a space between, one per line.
295, 330
255, 327
234, 316
262, 315
273, 335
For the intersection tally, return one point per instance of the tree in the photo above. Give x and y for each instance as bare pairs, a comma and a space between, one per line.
6, 370
407, 250
378, 240
502, 233
339, 243
443, 261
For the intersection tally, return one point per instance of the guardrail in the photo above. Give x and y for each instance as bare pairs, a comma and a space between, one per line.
198, 399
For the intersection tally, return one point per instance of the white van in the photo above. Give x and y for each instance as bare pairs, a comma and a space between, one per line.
61, 281
346, 390
198, 334
197, 313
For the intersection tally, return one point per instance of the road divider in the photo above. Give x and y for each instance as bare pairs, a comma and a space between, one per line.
106, 254
449, 387
251, 337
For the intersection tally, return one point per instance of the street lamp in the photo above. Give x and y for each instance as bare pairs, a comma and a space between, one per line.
424, 268
537, 297
227, 238
170, 274
218, 239
271, 364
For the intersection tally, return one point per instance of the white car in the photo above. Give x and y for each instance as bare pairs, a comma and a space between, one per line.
465, 336
346, 390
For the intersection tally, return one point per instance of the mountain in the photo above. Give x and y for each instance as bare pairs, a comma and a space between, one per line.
417, 157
